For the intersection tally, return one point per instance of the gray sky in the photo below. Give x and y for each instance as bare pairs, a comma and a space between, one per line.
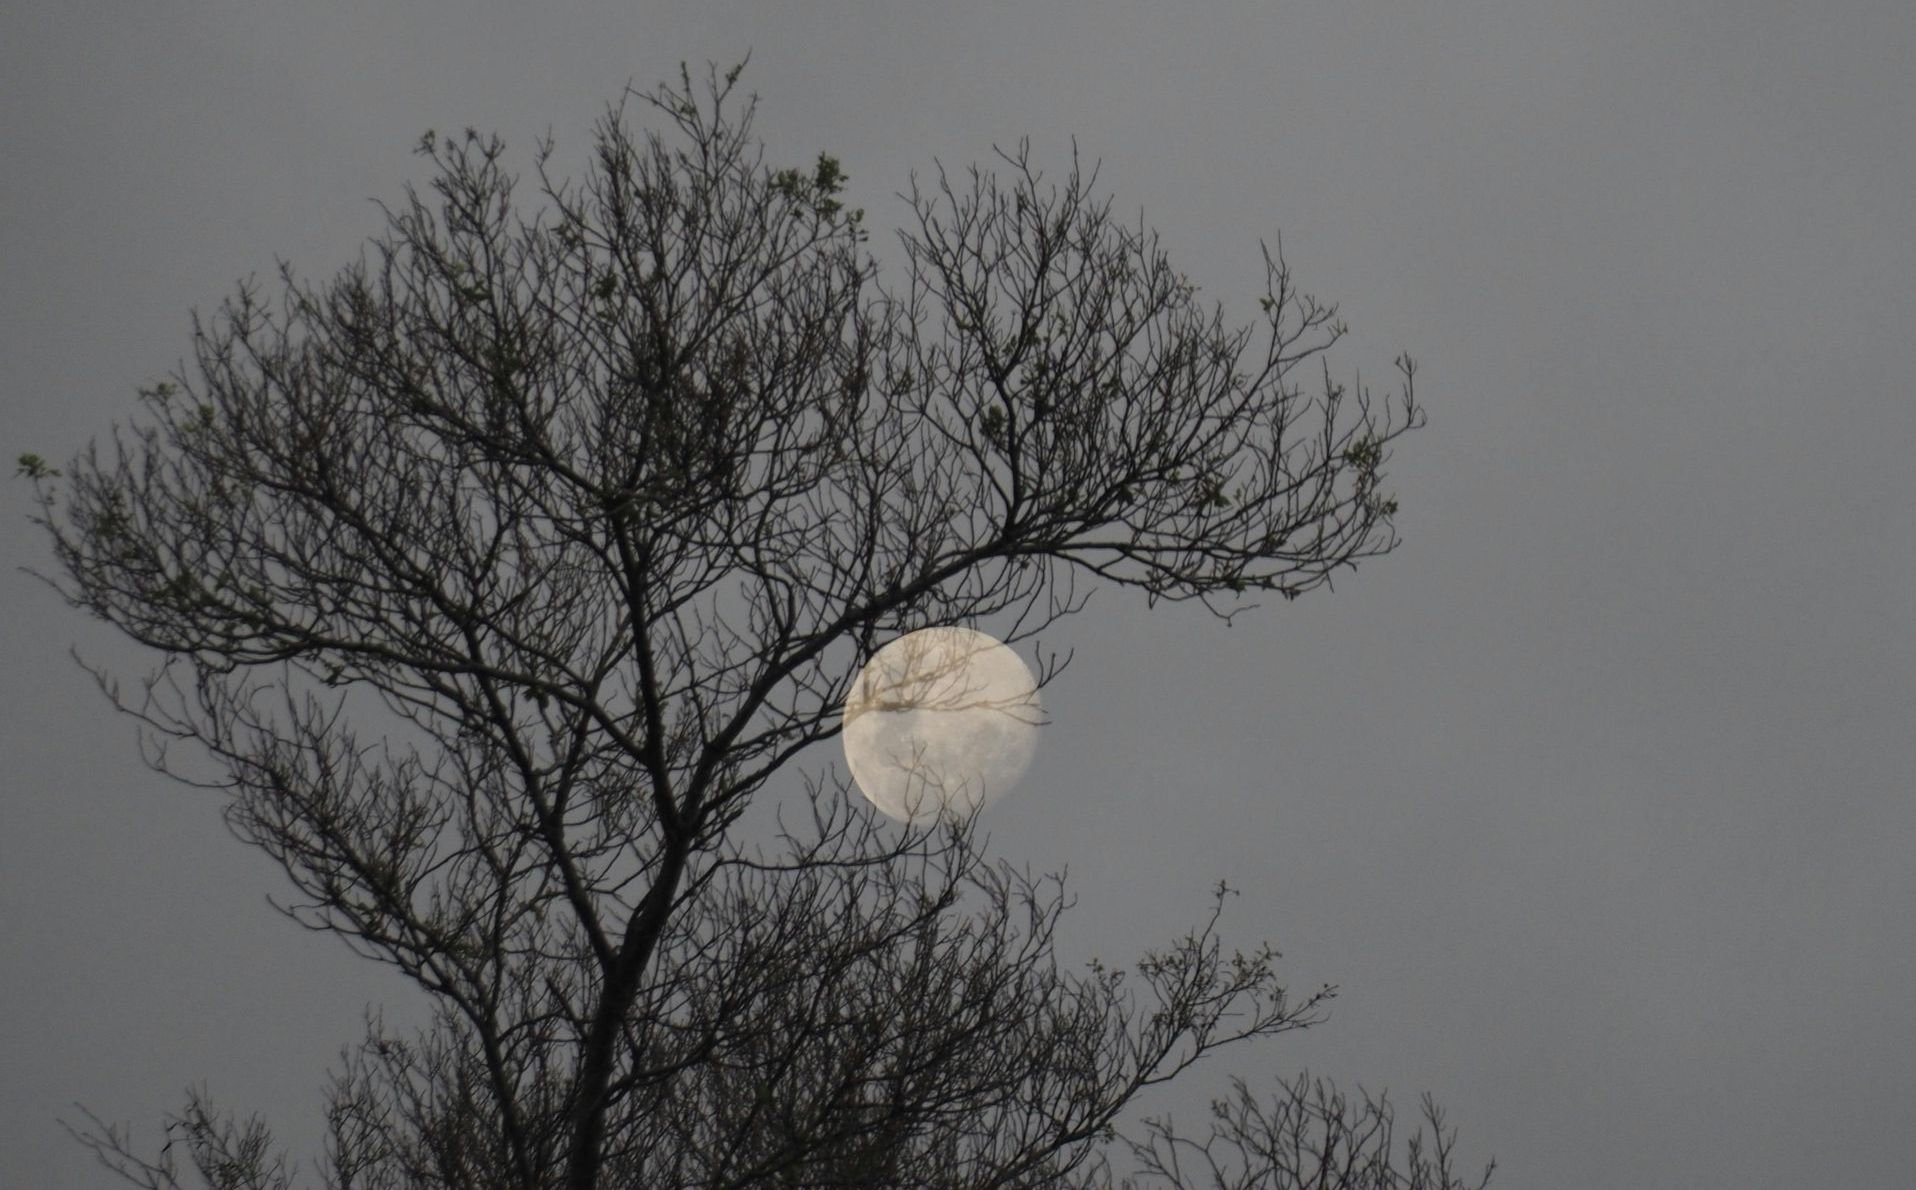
1595, 798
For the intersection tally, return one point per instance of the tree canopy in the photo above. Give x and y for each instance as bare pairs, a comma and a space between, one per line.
499, 576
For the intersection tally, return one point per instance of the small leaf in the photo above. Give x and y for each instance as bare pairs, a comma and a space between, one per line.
34, 467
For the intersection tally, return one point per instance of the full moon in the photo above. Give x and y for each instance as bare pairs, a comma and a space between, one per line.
940, 722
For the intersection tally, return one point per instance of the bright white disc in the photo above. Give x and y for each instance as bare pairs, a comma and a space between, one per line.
940, 721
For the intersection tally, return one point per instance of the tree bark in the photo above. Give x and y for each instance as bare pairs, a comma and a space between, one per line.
587, 1149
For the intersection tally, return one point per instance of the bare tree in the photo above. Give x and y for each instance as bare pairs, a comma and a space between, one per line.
1308, 1136
499, 575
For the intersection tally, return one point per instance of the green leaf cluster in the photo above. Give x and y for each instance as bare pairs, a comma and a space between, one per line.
34, 467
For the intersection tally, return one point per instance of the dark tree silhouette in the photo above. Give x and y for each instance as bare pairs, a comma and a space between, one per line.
498, 576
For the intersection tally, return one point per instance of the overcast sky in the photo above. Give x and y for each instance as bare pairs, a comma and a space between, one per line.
1595, 798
